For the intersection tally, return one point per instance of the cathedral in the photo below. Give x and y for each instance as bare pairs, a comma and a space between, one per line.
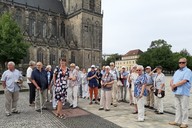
59, 28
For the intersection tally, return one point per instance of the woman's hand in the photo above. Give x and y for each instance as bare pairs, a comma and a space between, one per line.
159, 91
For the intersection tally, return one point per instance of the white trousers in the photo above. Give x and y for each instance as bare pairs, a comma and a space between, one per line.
72, 95
85, 90
182, 108
54, 102
159, 104
115, 92
141, 108
105, 101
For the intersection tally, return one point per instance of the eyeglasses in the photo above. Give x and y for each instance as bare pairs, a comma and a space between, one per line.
182, 62
138, 70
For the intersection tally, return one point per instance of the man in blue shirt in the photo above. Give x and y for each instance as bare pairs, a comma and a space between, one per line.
10, 81
93, 84
181, 85
40, 80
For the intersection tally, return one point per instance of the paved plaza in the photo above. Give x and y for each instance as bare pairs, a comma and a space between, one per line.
88, 116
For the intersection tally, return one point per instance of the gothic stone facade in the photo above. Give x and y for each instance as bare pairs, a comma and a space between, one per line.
60, 28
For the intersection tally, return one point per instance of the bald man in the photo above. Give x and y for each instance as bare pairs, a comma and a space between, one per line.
10, 81
40, 80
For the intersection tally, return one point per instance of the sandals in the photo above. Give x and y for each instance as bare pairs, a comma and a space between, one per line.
62, 116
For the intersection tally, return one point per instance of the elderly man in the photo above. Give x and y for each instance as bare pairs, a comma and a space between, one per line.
73, 86
150, 97
29, 82
10, 81
181, 85
40, 80
115, 88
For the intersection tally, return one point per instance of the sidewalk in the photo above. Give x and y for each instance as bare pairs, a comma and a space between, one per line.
123, 117
90, 117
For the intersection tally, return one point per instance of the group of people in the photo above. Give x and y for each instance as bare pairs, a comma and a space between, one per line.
146, 87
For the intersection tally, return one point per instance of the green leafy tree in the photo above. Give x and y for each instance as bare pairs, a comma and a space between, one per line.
159, 53
110, 59
13, 46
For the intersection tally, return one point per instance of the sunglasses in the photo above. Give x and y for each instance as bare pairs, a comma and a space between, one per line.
182, 62
138, 70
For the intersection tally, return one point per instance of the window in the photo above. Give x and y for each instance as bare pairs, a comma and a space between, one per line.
92, 5
18, 17
40, 55
52, 59
54, 28
62, 29
32, 24
72, 57
44, 30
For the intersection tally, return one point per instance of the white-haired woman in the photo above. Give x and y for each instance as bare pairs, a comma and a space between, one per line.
106, 87
140, 91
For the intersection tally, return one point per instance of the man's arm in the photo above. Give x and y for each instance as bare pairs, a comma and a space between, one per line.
33, 81
4, 84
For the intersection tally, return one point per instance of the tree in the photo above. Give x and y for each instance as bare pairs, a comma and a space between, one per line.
159, 53
13, 46
110, 59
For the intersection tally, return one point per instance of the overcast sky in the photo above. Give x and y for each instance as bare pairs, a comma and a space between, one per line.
133, 24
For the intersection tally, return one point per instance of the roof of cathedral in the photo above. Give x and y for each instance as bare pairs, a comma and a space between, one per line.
52, 5
133, 52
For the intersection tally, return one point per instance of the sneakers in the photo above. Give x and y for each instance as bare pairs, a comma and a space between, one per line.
16, 112
135, 112
101, 108
174, 123
183, 126
8, 114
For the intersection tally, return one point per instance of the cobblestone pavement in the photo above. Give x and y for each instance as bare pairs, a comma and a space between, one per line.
121, 116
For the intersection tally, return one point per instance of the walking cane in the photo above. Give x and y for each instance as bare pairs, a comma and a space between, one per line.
40, 101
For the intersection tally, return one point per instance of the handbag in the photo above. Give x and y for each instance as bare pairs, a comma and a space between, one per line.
161, 95
119, 83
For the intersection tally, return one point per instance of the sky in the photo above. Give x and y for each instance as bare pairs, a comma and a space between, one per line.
133, 24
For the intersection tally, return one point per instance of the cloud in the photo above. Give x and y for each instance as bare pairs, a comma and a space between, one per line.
130, 24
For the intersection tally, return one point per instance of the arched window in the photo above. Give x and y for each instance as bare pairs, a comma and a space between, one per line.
18, 17
52, 59
40, 55
72, 57
32, 24
42, 26
54, 27
63, 54
62, 29
3, 9
92, 5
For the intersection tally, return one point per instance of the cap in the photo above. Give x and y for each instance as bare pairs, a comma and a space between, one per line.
107, 67
123, 67
92, 66
148, 67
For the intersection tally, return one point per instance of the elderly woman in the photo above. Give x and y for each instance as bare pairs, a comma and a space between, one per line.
73, 86
140, 91
159, 87
84, 83
106, 83
60, 77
